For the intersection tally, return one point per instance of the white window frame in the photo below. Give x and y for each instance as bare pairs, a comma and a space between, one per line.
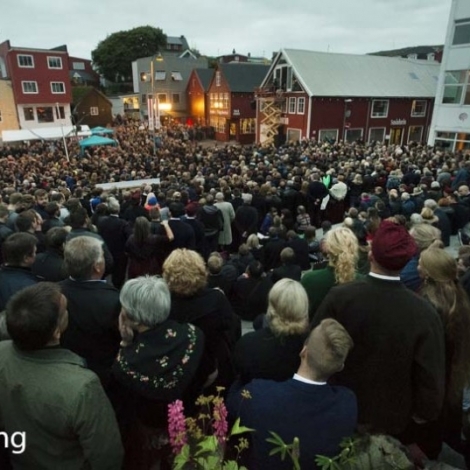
218, 78
25, 66
375, 128
413, 104
327, 130
301, 99
421, 135
290, 129
24, 113
354, 129
58, 92
78, 65
464, 85
94, 111
292, 104
160, 76
463, 22
379, 116
30, 92
176, 76
49, 58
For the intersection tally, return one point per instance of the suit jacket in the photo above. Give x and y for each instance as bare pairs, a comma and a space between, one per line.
398, 354
115, 232
50, 266
93, 331
319, 415
198, 228
183, 233
12, 280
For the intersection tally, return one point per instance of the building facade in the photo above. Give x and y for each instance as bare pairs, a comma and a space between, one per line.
450, 128
8, 115
82, 74
232, 106
169, 84
198, 96
40, 82
345, 97
93, 108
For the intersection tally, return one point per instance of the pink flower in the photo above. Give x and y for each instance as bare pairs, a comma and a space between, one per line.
220, 421
177, 426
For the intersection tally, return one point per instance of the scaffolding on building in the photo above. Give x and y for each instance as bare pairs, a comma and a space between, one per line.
270, 105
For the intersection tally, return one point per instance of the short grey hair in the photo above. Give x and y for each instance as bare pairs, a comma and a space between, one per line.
146, 300
113, 205
430, 203
219, 197
81, 254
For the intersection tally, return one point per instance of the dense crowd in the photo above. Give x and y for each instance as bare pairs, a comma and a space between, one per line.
116, 303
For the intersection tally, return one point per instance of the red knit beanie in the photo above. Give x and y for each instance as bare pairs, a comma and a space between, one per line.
393, 246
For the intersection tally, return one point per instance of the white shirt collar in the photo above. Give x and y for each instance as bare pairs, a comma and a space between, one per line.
307, 381
385, 278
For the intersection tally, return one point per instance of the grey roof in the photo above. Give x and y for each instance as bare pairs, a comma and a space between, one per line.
326, 74
243, 77
405, 51
181, 41
205, 77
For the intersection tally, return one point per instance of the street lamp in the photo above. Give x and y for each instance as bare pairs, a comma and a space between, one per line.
347, 113
154, 118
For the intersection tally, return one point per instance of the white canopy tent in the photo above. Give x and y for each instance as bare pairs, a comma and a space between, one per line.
45, 133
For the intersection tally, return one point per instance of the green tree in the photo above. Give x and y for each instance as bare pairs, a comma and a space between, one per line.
114, 55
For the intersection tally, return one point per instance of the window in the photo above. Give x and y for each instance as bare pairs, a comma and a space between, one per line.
218, 79
144, 76
58, 88
415, 134
28, 114
25, 61
29, 87
60, 112
453, 141
418, 108
225, 101
78, 65
377, 134
293, 135
292, 102
379, 108
218, 124
456, 87
94, 111
54, 62
160, 75
176, 98
461, 33
300, 105
161, 97
45, 114
352, 135
176, 76
248, 126
329, 135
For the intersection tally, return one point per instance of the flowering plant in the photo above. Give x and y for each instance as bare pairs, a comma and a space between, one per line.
199, 443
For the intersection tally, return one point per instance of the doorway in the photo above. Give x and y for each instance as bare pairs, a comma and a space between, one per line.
396, 135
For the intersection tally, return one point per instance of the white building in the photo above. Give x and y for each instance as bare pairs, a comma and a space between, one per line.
450, 127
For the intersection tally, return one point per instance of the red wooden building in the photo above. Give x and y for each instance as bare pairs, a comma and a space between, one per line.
41, 84
198, 98
232, 110
345, 97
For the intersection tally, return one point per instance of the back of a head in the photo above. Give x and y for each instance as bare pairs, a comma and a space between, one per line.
18, 246
430, 203
287, 255
3, 211
146, 300
32, 315
343, 252
176, 209
78, 217
287, 308
437, 265
243, 249
141, 229
310, 232
55, 237
113, 205
327, 348
219, 197
215, 263
425, 236
82, 254
255, 269
253, 241
25, 221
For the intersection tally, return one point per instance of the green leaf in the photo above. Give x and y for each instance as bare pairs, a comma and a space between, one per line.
277, 437
182, 458
207, 445
237, 429
230, 465
275, 451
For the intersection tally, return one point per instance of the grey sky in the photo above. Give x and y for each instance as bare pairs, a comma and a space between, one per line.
215, 27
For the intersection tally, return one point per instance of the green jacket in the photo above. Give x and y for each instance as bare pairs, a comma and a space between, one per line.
60, 405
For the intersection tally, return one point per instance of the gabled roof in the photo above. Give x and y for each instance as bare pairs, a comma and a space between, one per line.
205, 77
326, 74
243, 77
180, 41
80, 93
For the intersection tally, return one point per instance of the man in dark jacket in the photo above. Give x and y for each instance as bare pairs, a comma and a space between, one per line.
5, 232
19, 253
50, 265
197, 225
183, 232
301, 249
316, 192
93, 307
213, 220
246, 219
288, 269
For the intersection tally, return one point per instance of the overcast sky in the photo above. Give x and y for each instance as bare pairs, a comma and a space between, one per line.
215, 27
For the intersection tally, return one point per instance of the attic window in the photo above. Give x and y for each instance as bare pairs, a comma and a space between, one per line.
160, 75
176, 76
413, 76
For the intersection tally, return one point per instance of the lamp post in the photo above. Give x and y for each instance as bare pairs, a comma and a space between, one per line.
347, 113
155, 115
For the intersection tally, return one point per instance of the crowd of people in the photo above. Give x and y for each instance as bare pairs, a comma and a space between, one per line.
116, 303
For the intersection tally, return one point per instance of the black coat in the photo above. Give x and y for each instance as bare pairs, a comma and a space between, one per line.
183, 233
250, 296
287, 271
50, 266
115, 233
12, 280
301, 250
93, 331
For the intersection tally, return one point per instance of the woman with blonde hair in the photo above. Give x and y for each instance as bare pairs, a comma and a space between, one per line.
272, 352
439, 271
425, 236
193, 302
342, 249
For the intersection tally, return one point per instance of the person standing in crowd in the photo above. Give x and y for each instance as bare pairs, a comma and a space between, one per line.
302, 403
50, 265
183, 233
228, 213
397, 366
48, 394
213, 221
246, 219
